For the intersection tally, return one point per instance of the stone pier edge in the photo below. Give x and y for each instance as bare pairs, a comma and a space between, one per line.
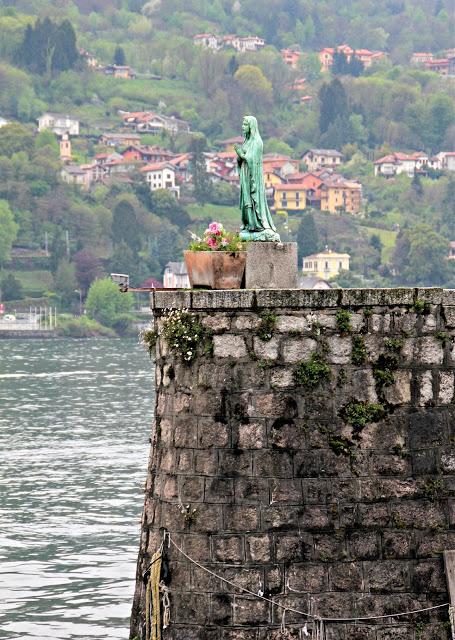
298, 298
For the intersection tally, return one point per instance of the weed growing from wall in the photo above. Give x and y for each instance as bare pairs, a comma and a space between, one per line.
359, 414
183, 333
267, 326
313, 372
343, 320
359, 353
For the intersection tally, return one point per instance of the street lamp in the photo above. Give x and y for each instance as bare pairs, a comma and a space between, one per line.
80, 300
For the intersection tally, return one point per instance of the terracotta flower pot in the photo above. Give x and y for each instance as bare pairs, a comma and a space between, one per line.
215, 269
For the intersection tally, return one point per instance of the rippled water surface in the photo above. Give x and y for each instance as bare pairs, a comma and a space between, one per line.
74, 425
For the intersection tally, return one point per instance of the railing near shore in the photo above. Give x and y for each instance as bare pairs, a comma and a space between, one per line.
38, 319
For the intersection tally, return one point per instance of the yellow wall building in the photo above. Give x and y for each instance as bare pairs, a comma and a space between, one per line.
291, 197
325, 264
341, 196
272, 179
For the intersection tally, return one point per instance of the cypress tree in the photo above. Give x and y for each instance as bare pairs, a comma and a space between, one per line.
119, 56
307, 236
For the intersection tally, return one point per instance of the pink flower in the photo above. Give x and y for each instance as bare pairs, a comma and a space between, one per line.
211, 242
216, 228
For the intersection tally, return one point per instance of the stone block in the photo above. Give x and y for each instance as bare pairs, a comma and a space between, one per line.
191, 488
425, 461
219, 490
376, 297
212, 434
252, 435
251, 611
448, 462
329, 548
449, 315
235, 462
400, 391
425, 388
258, 548
364, 545
282, 378
226, 299
397, 545
433, 295
241, 518
307, 577
418, 515
339, 350
297, 298
205, 462
271, 265
296, 349
251, 490
446, 387
346, 576
267, 350
272, 405
428, 350
426, 429
272, 464
229, 346
221, 610
216, 323
386, 576
172, 300
228, 549
246, 322
285, 491
292, 547
428, 577
285, 323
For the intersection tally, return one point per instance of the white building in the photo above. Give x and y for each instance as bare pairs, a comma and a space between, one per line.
325, 264
79, 175
59, 124
176, 276
207, 40
318, 158
161, 175
397, 163
447, 160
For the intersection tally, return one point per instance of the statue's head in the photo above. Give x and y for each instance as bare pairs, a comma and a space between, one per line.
250, 126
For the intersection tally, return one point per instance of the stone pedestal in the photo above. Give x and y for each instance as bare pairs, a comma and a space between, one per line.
271, 265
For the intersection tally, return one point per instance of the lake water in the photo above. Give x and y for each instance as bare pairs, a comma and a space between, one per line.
75, 419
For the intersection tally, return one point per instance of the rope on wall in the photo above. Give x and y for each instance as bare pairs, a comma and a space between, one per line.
318, 620
152, 598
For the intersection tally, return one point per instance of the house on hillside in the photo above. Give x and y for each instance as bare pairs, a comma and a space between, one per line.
208, 41
397, 162
340, 195
438, 65
367, 57
420, 57
120, 71
119, 139
318, 158
146, 153
325, 264
279, 163
290, 197
155, 123
182, 166
161, 175
228, 144
446, 160
291, 57
59, 123
176, 276
78, 175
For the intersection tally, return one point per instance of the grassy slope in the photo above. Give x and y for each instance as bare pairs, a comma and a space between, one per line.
388, 239
34, 283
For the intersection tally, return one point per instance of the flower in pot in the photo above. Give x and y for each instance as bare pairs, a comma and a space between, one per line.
216, 261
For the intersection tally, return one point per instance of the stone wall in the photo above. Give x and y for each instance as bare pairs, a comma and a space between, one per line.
327, 484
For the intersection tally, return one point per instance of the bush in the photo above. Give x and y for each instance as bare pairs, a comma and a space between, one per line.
122, 324
82, 327
105, 302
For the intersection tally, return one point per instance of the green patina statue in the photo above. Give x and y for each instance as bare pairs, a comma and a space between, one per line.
257, 224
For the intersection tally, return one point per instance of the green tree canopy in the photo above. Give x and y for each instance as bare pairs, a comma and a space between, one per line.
105, 302
8, 231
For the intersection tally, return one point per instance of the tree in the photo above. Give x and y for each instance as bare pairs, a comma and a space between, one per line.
105, 302
119, 56
8, 231
65, 282
256, 88
334, 105
233, 65
48, 47
427, 257
10, 288
88, 268
448, 209
340, 64
125, 224
165, 205
307, 236
15, 137
201, 179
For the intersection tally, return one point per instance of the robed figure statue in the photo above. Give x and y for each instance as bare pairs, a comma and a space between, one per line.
257, 221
